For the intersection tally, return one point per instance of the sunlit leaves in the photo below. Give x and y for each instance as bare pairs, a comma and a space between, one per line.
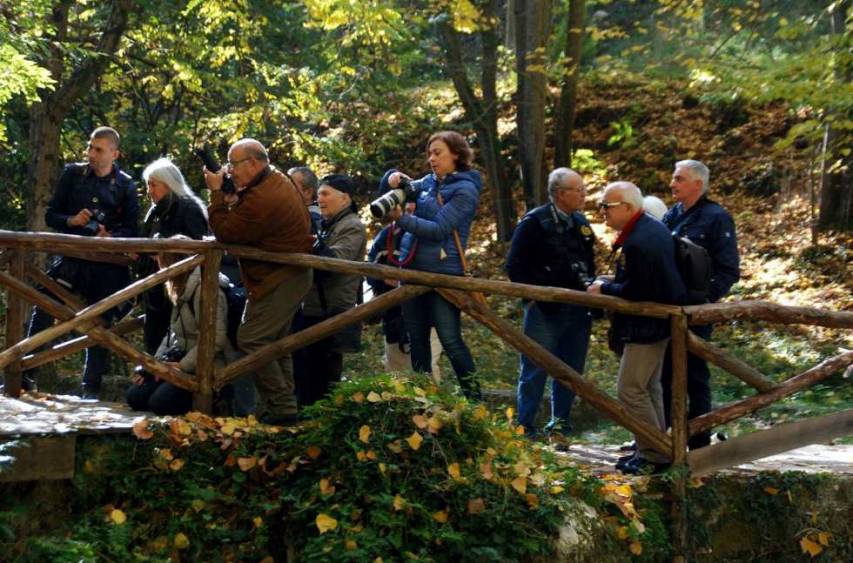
415, 441
325, 523
364, 434
118, 517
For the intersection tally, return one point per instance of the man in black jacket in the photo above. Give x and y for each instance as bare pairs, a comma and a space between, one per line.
645, 271
706, 223
553, 246
92, 198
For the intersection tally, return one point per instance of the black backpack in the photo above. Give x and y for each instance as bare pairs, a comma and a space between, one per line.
696, 269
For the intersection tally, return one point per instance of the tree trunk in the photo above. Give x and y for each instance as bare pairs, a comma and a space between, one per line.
564, 120
47, 115
483, 113
532, 28
836, 194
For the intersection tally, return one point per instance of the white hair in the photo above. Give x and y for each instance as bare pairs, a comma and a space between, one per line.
558, 177
698, 170
164, 170
654, 206
631, 194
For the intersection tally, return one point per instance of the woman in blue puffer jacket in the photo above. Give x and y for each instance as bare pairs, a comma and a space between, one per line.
446, 203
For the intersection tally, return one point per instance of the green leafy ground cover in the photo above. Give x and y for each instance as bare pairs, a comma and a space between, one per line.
386, 469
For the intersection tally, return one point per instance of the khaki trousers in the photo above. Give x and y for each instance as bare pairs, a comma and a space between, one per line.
266, 320
640, 389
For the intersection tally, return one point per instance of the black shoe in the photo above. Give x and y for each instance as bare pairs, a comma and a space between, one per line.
632, 447
624, 461
280, 420
641, 466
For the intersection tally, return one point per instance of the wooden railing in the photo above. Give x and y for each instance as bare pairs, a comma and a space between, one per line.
74, 316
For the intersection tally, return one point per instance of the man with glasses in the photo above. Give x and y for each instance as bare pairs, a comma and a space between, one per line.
266, 212
645, 271
706, 223
553, 246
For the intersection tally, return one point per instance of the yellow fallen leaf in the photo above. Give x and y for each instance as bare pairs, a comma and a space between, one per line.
314, 452
509, 413
325, 523
374, 397
257, 521
198, 505
521, 469
358, 397
639, 526
118, 517
371, 455
454, 471
415, 441
532, 500
434, 425
364, 433
246, 463
350, 545
166, 454
636, 548
361, 456
486, 471
480, 413
808, 546
557, 489
520, 484
419, 392
476, 506
386, 396
420, 421
180, 427
622, 532
399, 503
383, 468
141, 431
176, 464
395, 446
326, 488
228, 428
181, 541
771, 490
440, 516
823, 538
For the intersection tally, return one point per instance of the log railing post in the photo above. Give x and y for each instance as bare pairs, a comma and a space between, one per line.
205, 365
678, 409
14, 325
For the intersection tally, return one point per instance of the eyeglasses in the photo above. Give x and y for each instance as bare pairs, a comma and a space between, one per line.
603, 205
234, 163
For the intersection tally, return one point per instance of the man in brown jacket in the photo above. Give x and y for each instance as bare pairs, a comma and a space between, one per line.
266, 212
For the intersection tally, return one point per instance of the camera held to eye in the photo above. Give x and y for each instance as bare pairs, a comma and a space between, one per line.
210, 162
97, 219
405, 191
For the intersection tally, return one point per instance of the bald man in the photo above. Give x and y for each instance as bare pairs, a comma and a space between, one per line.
645, 271
266, 212
553, 246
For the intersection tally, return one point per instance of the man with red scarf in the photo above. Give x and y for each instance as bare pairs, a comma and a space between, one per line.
645, 271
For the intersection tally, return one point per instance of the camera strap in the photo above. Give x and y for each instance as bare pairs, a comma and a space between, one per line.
475, 295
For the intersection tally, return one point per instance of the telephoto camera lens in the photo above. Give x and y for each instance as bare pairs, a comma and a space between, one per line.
381, 206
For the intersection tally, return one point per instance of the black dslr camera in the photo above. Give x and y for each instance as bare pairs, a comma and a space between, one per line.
212, 164
174, 354
405, 191
97, 219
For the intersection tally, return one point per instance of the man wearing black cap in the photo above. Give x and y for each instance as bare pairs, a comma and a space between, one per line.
342, 235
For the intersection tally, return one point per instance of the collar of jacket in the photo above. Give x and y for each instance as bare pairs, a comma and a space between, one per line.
257, 179
113, 174
626, 230
327, 224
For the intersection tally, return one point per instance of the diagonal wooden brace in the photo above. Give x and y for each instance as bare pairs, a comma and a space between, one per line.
317, 332
743, 371
659, 440
89, 314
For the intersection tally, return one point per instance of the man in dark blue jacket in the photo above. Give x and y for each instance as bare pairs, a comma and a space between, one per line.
553, 246
706, 223
645, 271
92, 198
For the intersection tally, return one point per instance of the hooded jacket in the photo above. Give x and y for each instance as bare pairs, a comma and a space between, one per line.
429, 231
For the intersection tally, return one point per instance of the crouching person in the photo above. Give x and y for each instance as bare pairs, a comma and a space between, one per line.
179, 348
342, 235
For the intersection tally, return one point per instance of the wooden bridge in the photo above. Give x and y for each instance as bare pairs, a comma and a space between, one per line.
465, 292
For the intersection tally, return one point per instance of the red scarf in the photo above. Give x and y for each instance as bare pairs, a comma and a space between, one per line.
626, 230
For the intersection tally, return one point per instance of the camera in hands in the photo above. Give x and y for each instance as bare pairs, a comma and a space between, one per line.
210, 162
97, 219
405, 191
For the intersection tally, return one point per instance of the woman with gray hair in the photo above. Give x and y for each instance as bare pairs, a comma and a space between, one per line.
175, 210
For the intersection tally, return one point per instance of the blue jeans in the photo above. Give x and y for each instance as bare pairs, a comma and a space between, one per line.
564, 331
432, 310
